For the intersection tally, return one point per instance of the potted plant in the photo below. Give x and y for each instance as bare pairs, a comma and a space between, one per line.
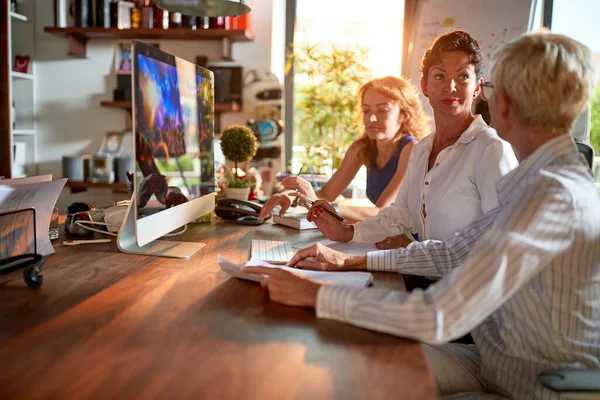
239, 145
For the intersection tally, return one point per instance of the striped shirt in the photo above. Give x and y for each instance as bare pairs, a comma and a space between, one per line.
524, 279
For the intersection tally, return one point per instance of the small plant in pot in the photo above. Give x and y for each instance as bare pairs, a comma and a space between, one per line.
239, 145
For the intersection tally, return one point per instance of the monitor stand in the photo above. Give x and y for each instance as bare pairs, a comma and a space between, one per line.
127, 242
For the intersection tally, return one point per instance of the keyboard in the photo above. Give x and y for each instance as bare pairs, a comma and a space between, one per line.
272, 251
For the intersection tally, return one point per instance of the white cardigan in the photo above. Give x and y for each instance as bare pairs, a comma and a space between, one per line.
459, 188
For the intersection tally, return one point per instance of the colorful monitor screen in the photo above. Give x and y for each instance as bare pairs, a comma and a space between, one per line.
174, 125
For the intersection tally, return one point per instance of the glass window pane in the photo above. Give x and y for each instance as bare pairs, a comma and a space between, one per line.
375, 26
586, 30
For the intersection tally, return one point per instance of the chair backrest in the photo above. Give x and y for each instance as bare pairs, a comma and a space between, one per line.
587, 151
582, 127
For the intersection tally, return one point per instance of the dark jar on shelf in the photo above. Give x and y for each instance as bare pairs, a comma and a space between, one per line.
217, 22
190, 22
175, 20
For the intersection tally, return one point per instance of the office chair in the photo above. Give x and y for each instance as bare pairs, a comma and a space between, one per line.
573, 384
13, 232
587, 151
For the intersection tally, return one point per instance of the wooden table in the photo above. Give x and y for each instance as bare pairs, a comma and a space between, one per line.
111, 325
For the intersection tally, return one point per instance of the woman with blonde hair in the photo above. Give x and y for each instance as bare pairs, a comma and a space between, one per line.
394, 119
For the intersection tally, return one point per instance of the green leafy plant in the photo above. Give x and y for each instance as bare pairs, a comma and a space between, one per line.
327, 111
595, 125
239, 145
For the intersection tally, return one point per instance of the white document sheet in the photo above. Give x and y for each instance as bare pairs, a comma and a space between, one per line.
352, 278
40, 195
348, 248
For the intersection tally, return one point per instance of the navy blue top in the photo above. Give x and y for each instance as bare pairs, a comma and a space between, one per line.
378, 179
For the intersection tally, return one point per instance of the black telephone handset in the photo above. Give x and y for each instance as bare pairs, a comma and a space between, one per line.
243, 212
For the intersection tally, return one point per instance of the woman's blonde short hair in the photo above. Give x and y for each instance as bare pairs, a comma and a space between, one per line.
405, 94
548, 78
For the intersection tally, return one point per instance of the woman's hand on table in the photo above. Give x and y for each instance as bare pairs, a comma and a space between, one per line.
286, 287
323, 258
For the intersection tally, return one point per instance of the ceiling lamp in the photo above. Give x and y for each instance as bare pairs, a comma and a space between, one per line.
206, 8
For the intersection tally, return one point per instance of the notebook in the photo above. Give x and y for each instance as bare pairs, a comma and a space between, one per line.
353, 278
294, 220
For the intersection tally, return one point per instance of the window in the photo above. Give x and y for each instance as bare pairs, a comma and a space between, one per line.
587, 31
375, 26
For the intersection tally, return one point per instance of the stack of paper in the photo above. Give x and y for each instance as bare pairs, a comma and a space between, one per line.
40, 192
353, 279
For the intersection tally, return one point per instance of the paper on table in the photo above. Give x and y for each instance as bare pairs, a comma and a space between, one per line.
42, 196
348, 248
353, 279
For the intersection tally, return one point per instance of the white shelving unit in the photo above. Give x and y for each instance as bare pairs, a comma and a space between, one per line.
20, 75
21, 31
18, 16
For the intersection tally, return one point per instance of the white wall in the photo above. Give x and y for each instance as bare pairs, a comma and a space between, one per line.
70, 120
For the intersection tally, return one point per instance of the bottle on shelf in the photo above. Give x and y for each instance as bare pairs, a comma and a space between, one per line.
203, 22
217, 22
161, 18
190, 22
136, 18
229, 23
147, 15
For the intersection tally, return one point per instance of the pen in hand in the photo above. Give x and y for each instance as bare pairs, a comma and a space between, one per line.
334, 215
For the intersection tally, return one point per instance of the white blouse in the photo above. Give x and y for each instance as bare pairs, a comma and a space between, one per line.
458, 189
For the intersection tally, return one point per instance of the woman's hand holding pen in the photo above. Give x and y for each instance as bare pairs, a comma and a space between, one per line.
331, 227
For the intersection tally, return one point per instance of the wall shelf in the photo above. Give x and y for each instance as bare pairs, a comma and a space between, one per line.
20, 75
24, 132
18, 16
80, 186
79, 36
126, 105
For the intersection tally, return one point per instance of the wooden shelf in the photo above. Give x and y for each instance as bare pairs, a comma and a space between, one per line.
219, 108
78, 36
101, 185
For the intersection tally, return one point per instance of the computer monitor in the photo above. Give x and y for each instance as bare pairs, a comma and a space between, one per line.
173, 125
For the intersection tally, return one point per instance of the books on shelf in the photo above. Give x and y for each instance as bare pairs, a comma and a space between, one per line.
294, 220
